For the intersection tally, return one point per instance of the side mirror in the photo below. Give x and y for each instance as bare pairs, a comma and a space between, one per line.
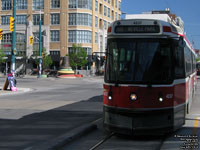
181, 43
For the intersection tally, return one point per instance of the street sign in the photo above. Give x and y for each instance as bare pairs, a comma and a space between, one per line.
7, 45
15, 51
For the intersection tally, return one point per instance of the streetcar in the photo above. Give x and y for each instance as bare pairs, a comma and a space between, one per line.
198, 67
150, 75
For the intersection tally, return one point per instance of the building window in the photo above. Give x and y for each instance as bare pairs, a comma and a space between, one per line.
36, 19
115, 15
21, 4
109, 1
55, 19
37, 37
7, 38
20, 37
6, 4
55, 35
72, 4
21, 19
96, 21
55, 3
84, 4
115, 3
5, 20
109, 12
96, 5
119, 5
109, 24
105, 11
80, 36
54, 52
87, 49
96, 37
38, 4
80, 19
105, 24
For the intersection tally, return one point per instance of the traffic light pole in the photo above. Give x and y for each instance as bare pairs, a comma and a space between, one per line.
13, 40
40, 48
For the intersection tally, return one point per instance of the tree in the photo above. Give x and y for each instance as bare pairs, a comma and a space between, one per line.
46, 59
2, 60
78, 56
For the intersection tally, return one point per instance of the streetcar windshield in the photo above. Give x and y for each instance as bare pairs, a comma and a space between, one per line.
145, 61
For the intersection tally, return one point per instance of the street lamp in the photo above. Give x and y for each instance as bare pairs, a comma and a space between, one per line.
40, 48
123, 15
13, 49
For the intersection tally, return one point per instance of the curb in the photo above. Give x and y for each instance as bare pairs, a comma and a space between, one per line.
64, 139
19, 91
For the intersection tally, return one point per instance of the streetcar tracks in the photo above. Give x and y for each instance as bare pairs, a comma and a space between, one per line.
102, 141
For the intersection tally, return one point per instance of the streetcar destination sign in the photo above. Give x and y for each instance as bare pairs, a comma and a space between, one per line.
138, 29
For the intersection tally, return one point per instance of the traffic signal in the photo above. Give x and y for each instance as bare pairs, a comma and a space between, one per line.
1, 34
12, 23
31, 40
43, 54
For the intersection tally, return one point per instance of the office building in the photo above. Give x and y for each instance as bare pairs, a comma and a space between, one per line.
64, 23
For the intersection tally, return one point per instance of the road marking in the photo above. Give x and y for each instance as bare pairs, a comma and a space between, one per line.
195, 126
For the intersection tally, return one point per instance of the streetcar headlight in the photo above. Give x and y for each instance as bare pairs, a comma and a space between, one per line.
160, 99
109, 95
133, 97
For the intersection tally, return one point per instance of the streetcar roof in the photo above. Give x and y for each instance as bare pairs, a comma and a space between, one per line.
164, 20
163, 17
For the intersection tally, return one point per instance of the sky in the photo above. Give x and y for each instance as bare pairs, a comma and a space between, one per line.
188, 10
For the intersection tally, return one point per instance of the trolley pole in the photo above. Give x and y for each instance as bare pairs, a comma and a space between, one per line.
40, 48
13, 40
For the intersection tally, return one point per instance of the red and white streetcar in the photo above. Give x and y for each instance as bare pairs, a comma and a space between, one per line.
150, 75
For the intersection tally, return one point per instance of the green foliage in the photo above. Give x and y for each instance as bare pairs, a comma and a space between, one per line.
1, 56
46, 60
197, 59
78, 57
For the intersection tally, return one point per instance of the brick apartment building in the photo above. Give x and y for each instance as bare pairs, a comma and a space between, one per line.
64, 23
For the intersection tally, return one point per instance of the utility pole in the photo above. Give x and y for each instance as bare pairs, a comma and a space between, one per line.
40, 48
13, 40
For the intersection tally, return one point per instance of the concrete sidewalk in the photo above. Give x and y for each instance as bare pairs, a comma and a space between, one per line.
19, 91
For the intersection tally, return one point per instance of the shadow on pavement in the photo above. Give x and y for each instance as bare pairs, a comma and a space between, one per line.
38, 128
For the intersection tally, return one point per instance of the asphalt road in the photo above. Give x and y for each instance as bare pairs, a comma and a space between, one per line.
45, 94
49, 109
53, 109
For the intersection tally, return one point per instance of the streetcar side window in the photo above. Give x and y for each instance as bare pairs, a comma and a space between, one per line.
194, 63
111, 62
179, 63
188, 61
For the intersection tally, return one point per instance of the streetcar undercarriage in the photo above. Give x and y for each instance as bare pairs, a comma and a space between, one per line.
136, 122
